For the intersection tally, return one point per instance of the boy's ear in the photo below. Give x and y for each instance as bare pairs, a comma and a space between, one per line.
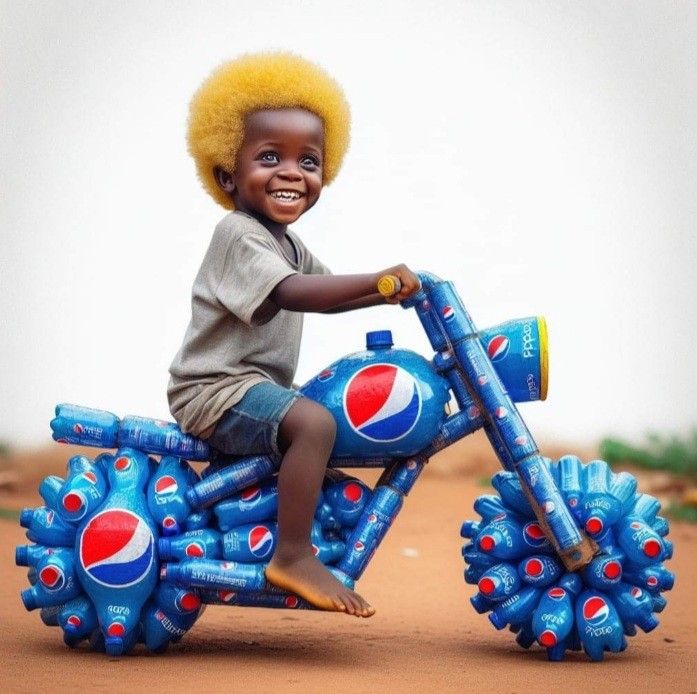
224, 179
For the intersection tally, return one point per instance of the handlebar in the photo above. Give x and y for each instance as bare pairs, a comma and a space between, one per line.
389, 285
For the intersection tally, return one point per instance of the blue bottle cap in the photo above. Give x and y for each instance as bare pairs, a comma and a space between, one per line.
29, 599
26, 515
378, 339
22, 555
163, 548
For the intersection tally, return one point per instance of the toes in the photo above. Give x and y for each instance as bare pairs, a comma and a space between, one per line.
339, 606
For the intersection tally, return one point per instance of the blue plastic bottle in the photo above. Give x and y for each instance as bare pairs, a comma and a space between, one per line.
634, 606
221, 575
78, 619
46, 527
570, 482
57, 583
499, 582
82, 492
194, 544
347, 499
252, 505
509, 538
604, 571
599, 509
653, 578
166, 494
598, 625
507, 484
516, 609
539, 570
553, 621
117, 553
641, 544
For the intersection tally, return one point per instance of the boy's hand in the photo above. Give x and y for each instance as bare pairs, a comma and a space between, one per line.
408, 279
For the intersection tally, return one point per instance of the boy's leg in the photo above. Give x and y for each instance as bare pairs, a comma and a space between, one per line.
306, 437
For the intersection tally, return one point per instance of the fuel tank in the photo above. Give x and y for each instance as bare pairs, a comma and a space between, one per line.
386, 401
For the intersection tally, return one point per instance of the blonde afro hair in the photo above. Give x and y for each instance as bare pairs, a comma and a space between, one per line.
256, 82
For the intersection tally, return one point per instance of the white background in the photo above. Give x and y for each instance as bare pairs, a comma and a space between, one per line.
541, 155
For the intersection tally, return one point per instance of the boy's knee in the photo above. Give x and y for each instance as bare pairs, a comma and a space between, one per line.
309, 420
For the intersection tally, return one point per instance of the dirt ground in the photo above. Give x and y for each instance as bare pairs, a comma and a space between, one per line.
424, 637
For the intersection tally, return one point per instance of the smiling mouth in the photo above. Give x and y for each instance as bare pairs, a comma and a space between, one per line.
285, 195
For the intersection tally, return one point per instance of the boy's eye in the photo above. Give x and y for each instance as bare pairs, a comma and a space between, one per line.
309, 162
270, 157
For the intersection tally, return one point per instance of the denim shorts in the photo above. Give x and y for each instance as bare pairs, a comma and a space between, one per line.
251, 426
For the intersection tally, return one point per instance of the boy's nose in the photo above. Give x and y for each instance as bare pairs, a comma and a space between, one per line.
290, 173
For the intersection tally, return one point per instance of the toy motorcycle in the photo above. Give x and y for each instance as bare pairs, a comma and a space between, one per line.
130, 549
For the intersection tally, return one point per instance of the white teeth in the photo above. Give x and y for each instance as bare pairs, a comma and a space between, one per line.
285, 194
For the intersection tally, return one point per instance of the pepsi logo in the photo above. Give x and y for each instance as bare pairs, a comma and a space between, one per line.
78, 428
594, 525
116, 548
188, 602
636, 525
499, 517
52, 577
372, 518
166, 485
652, 581
548, 639
612, 570
548, 506
353, 492
49, 518
521, 440
73, 502
556, 593
595, 611
291, 601
425, 304
636, 592
325, 375
250, 495
315, 549
500, 412
534, 535
473, 412
533, 567
117, 630
74, 621
651, 548
122, 463
260, 541
90, 477
411, 465
448, 313
359, 546
226, 595
482, 380
169, 522
195, 550
497, 348
382, 403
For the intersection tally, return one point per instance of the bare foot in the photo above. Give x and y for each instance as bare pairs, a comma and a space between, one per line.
307, 577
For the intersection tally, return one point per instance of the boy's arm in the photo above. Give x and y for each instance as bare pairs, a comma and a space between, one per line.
322, 293
319, 293
366, 302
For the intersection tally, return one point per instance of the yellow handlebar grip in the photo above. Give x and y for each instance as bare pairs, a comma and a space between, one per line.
389, 285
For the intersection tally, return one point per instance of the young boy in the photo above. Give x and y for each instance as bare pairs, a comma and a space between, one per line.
267, 132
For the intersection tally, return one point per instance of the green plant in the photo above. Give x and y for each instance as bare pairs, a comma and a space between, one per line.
669, 453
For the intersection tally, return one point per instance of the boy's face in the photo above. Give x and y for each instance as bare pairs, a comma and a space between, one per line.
279, 165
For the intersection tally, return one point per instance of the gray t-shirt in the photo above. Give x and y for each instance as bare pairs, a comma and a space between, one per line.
237, 337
